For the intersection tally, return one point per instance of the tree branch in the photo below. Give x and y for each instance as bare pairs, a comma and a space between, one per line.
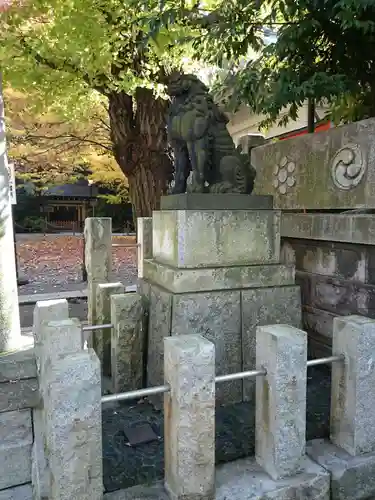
68, 67
73, 137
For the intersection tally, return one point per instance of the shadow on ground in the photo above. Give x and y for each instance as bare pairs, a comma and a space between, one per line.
125, 466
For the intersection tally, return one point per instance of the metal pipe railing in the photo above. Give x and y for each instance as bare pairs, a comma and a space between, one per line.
126, 245
92, 328
140, 393
239, 375
325, 361
161, 389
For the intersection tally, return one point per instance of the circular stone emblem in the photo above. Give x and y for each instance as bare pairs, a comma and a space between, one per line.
348, 167
284, 178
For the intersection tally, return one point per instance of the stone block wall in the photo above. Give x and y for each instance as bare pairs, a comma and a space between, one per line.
334, 257
18, 395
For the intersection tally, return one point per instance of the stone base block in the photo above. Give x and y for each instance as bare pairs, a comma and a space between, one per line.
212, 238
18, 493
16, 442
228, 318
245, 480
217, 278
352, 478
207, 201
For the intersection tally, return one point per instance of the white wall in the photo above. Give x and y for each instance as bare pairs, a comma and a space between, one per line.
244, 123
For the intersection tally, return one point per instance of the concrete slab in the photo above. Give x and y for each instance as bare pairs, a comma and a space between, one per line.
351, 477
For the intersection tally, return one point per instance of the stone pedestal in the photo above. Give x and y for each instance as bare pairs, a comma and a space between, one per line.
215, 272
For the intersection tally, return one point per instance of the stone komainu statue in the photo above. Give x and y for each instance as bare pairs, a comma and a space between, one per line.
202, 145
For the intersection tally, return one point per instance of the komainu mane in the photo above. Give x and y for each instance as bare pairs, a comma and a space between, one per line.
202, 144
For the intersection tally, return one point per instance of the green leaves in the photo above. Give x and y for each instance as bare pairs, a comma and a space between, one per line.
324, 50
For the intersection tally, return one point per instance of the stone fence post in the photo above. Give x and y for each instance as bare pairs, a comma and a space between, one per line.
280, 415
144, 239
101, 339
350, 454
67, 451
127, 341
189, 417
98, 260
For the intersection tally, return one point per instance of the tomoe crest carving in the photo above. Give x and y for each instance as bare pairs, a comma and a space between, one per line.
348, 167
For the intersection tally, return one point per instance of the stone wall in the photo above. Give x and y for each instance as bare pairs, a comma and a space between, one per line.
18, 395
334, 256
333, 169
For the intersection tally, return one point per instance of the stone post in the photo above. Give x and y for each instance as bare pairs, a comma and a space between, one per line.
10, 330
101, 339
127, 316
44, 312
353, 385
74, 428
67, 454
144, 239
189, 417
280, 416
98, 258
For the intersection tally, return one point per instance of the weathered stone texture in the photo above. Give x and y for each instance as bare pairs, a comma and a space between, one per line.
349, 228
44, 312
336, 279
265, 306
159, 327
98, 260
217, 278
98, 247
128, 336
144, 240
280, 417
16, 439
217, 317
352, 478
189, 420
353, 385
101, 339
18, 365
73, 428
39, 469
210, 201
308, 172
245, 480
18, 493
195, 239
59, 338
19, 394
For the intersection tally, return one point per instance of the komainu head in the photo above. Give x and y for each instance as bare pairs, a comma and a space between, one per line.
179, 84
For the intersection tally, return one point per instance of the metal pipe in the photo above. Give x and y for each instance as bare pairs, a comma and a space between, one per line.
239, 375
129, 245
91, 328
325, 361
140, 393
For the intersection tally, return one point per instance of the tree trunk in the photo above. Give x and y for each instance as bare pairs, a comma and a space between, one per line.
139, 137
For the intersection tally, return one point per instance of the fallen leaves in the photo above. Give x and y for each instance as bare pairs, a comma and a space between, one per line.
57, 259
